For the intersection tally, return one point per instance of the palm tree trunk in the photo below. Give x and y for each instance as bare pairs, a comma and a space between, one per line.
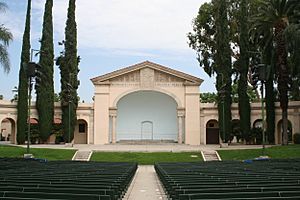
270, 94
284, 127
283, 76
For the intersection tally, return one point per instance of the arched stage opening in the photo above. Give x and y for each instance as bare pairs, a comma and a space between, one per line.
146, 115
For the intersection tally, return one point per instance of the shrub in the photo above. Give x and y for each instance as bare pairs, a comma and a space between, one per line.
296, 138
255, 136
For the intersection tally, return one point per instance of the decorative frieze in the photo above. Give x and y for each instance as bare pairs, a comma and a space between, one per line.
147, 78
161, 77
124, 84
129, 77
176, 84
127, 80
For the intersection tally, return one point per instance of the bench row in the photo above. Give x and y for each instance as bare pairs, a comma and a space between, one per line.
231, 180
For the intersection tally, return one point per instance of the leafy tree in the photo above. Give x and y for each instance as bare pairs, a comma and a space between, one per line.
68, 62
253, 97
5, 38
211, 97
22, 106
272, 21
45, 86
204, 41
57, 97
208, 97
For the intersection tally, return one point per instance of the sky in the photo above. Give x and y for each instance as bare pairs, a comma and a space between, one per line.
112, 34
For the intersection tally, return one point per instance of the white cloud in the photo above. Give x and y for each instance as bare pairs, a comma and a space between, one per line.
135, 24
131, 24
121, 24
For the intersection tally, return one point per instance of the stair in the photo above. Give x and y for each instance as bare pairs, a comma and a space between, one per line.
82, 155
144, 142
210, 156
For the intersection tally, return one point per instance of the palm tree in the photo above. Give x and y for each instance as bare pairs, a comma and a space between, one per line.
270, 23
5, 38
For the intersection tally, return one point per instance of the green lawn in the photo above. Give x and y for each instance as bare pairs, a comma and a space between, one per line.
144, 158
276, 152
49, 154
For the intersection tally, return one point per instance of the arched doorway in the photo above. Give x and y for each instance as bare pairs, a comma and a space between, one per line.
146, 115
212, 132
8, 130
81, 131
289, 131
147, 130
257, 124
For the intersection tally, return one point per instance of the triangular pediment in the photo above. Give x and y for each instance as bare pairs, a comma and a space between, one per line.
146, 70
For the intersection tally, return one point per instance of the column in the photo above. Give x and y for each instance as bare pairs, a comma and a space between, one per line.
113, 115
179, 130
113, 138
180, 115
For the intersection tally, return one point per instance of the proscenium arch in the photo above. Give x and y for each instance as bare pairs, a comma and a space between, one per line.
138, 110
178, 102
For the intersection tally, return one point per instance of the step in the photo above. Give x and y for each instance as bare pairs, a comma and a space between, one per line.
210, 156
82, 155
136, 142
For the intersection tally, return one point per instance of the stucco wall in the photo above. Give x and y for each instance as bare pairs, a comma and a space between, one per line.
209, 112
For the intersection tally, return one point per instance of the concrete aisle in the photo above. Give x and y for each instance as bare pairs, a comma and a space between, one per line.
145, 185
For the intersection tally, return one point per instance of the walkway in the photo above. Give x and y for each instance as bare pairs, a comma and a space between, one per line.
168, 147
145, 185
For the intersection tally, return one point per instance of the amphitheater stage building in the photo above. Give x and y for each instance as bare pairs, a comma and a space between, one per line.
147, 102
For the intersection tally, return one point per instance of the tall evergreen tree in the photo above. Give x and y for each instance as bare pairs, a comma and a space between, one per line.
211, 41
68, 63
224, 68
22, 106
45, 85
243, 67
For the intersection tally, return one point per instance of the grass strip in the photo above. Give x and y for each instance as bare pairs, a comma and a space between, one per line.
49, 154
275, 152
